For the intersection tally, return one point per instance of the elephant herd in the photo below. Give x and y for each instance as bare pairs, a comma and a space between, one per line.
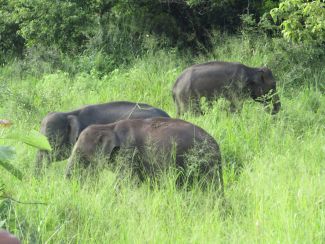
156, 141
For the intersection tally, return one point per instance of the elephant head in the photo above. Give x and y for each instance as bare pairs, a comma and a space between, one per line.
91, 143
262, 87
62, 131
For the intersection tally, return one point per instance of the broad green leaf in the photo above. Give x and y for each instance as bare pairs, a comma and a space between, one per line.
6, 154
34, 139
12, 169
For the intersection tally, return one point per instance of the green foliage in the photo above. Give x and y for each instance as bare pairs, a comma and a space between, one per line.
11, 43
34, 139
117, 28
65, 24
6, 154
249, 25
301, 20
273, 165
120, 50
268, 5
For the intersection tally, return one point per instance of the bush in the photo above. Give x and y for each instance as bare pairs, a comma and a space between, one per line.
301, 20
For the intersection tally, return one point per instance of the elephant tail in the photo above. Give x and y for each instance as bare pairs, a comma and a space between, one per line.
174, 96
217, 169
220, 174
175, 88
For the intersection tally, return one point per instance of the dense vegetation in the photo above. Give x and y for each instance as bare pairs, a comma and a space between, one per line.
59, 55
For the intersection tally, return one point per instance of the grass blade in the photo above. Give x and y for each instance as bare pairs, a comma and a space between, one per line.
6, 154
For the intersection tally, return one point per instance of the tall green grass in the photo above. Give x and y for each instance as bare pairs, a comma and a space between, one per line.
274, 166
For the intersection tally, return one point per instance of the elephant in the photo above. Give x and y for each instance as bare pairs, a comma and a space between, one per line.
7, 238
159, 143
63, 128
233, 81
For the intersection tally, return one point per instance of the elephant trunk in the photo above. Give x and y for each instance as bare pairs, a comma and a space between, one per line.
276, 104
40, 158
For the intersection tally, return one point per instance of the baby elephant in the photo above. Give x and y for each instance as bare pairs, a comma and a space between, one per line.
158, 142
63, 128
233, 81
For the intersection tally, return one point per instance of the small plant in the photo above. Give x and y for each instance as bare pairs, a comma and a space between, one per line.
7, 153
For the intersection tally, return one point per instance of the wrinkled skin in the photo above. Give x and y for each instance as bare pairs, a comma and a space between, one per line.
63, 128
233, 81
163, 136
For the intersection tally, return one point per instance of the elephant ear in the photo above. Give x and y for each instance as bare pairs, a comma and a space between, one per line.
267, 76
74, 128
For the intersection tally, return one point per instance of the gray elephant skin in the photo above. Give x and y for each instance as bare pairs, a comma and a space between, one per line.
156, 141
233, 81
63, 128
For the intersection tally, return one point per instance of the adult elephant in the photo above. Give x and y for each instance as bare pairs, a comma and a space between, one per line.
63, 128
157, 143
234, 81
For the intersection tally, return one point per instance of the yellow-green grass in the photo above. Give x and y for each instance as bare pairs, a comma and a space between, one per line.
274, 166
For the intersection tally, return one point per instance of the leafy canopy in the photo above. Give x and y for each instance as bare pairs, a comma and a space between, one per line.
301, 20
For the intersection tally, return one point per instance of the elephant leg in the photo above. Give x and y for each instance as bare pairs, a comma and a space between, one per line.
178, 107
233, 108
39, 162
183, 104
188, 103
127, 166
236, 107
272, 105
42, 161
195, 103
236, 104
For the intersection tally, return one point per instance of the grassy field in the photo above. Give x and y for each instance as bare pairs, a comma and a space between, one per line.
274, 166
